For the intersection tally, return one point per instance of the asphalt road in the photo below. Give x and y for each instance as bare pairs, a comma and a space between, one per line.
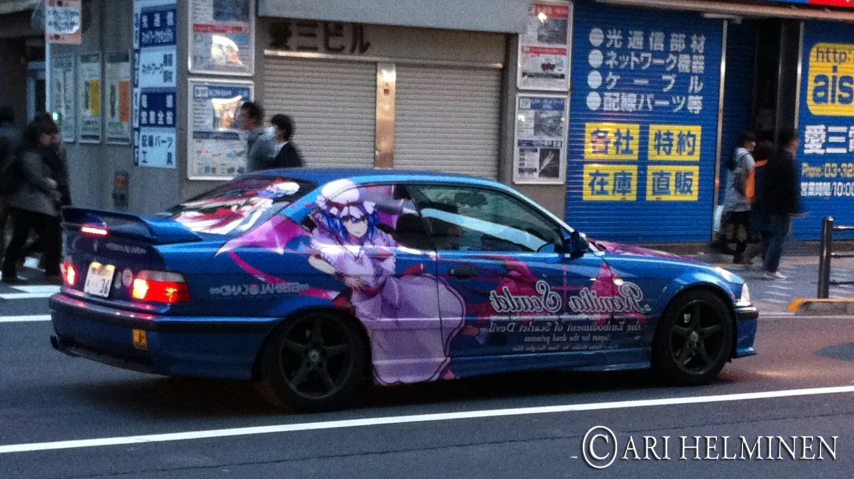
71, 418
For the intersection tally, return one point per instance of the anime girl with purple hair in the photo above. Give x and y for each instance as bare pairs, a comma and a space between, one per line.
411, 317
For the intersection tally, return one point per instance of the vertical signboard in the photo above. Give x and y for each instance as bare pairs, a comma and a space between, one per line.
826, 123
62, 94
222, 39
63, 22
545, 46
541, 136
89, 98
217, 147
118, 98
642, 145
155, 83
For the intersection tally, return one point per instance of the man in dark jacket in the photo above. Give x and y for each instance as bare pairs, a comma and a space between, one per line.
287, 154
780, 200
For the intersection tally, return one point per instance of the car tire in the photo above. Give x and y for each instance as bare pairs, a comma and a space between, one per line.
312, 363
694, 339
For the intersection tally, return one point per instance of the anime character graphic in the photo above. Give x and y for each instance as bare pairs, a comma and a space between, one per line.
410, 327
233, 210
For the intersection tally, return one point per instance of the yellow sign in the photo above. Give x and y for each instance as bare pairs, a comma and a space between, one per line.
675, 142
831, 79
673, 183
140, 339
611, 141
610, 182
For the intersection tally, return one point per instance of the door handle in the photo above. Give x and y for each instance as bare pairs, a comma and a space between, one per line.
463, 273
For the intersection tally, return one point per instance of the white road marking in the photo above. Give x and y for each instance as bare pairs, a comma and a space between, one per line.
780, 293
46, 289
25, 319
32, 263
418, 418
10, 296
780, 286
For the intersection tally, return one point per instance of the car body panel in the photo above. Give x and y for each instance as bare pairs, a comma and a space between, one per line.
260, 262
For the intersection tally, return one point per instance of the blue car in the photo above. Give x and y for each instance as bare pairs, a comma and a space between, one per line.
308, 281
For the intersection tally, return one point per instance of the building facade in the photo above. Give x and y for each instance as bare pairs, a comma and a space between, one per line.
615, 114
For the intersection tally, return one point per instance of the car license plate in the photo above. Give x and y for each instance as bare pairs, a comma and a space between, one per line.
99, 280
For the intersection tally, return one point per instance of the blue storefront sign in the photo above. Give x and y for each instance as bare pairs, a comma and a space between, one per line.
643, 135
155, 76
826, 124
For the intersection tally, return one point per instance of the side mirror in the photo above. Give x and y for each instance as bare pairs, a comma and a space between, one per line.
578, 244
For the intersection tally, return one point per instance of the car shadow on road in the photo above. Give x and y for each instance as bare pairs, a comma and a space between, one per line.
161, 398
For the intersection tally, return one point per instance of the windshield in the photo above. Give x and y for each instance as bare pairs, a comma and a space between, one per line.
235, 207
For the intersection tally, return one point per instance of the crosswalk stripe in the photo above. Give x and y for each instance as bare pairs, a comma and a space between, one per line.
9, 296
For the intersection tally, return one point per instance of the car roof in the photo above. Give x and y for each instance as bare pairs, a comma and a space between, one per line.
367, 175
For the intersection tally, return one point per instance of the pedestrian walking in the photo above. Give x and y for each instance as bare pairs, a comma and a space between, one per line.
260, 146
35, 204
780, 201
759, 233
10, 145
736, 205
287, 154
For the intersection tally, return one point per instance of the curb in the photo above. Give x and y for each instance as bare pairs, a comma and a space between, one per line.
822, 307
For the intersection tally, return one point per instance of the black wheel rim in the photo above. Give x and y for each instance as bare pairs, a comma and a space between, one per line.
698, 338
317, 357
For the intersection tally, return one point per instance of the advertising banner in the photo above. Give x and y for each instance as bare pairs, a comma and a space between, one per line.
217, 149
118, 96
544, 47
541, 137
62, 96
155, 83
223, 37
89, 98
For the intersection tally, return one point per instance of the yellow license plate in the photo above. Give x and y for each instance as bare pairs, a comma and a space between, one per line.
140, 339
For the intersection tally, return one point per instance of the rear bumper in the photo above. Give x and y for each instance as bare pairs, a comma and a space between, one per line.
195, 346
746, 322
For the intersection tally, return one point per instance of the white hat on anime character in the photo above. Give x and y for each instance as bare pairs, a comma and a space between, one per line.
343, 199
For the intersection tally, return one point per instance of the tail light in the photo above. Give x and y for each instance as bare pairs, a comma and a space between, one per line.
69, 273
94, 231
161, 287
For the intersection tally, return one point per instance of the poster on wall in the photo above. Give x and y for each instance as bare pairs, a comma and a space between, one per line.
155, 76
118, 97
541, 139
63, 22
89, 98
217, 146
544, 47
222, 39
62, 96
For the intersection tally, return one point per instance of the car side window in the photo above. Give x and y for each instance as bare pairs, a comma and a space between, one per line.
480, 219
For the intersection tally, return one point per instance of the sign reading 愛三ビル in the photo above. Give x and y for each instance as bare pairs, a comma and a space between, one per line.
155, 75
89, 98
63, 22
318, 37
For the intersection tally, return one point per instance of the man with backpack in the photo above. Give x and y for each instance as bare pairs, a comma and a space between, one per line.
736, 203
11, 138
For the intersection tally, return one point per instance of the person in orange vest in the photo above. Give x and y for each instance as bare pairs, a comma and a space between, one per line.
754, 187
736, 205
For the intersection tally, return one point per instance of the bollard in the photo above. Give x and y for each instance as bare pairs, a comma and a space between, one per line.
825, 256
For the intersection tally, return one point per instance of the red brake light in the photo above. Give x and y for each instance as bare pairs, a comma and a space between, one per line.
96, 231
161, 287
69, 273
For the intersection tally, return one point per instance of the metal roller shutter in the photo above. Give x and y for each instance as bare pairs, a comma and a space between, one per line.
333, 105
644, 124
447, 119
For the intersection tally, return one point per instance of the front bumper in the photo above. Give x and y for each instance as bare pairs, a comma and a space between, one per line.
746, 321
193, 346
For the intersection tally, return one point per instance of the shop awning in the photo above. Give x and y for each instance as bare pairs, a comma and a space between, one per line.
762, 9
15, 6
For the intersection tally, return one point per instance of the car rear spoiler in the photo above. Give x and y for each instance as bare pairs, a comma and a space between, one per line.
152, 229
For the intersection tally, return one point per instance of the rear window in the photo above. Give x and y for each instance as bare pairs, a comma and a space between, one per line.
235, 207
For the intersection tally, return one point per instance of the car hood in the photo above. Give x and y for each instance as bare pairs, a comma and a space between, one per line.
632, 250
